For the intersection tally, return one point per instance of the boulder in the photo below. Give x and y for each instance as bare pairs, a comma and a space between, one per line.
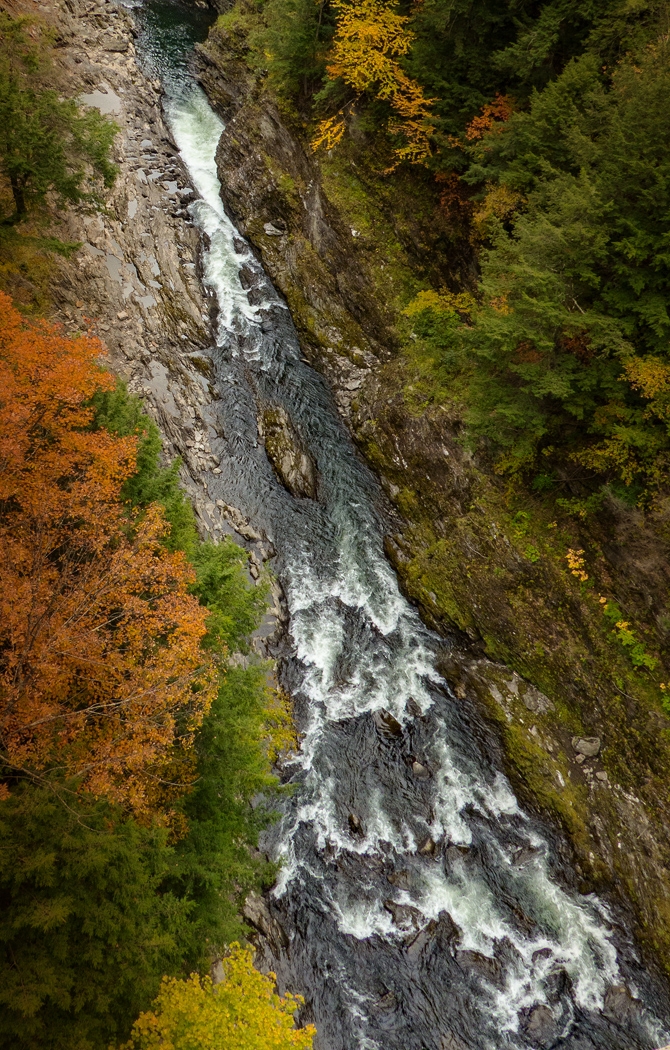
480, 964
400, 879
589, 746
404, 915
419, 770
620, 1005
387, 724
257, 912
540, 1026
428, 848
291, 461
355, 823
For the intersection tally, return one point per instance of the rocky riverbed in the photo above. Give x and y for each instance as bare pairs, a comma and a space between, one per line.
136, 281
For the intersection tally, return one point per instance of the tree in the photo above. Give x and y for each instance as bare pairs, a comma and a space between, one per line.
369, 38
86, 927
102, 671
243, 1012
46, 144
565, 353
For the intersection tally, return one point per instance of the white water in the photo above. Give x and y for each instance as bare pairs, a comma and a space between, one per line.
359, 647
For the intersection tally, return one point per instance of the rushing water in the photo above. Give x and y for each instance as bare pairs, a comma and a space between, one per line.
424, 909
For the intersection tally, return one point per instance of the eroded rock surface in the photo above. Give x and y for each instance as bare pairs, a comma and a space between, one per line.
292, 463
135, 279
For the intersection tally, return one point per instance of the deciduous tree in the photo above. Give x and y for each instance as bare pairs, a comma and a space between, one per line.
102, 672
369, 38
243, 1012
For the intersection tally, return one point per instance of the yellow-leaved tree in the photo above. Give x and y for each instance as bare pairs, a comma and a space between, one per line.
369, 38
243, 1012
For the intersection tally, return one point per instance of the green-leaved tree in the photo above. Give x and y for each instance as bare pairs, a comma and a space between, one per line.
46, 143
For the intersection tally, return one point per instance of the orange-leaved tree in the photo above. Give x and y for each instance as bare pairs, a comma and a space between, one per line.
369, 38
243, 1012
102, 674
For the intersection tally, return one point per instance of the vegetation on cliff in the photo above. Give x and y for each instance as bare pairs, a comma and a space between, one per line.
129, 746
545, 125
46, 144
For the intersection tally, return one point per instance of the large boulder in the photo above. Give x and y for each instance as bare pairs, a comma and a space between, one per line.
291, 461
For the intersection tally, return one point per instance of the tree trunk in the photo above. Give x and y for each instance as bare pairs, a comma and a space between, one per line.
19, 198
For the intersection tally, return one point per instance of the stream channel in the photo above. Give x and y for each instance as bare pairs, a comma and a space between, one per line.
422, 908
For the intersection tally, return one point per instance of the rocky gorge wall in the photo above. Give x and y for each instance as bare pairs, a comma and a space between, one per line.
585, 737
134, 279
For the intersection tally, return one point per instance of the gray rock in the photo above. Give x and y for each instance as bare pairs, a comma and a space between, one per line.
387, 724
589, 746
273, 229
540, 1026
355, 823
620, 1005
400, 879
482, 965
534, 700
420, 771
291, 461
257, 912
404, 915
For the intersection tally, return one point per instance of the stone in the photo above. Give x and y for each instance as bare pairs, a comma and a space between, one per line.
534, 700
428, 848
620, 1005
291, 461
480, 964
420, 770
386, 723
115, 46
257, 912
540, 1026
404, 915
385, 1003
602, 775
355, 823
122, 315
272, 229
399, 879
589, 746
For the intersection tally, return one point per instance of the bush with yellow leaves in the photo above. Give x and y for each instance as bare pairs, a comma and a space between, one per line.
243, 1012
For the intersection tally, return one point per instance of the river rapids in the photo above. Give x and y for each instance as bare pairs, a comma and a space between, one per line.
423, 908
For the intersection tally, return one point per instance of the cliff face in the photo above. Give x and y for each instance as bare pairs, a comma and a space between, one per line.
134, 277
348, 249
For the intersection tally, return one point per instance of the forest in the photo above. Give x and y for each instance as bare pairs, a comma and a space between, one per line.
544, 125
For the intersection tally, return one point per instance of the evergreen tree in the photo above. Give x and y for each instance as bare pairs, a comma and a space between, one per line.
46, 143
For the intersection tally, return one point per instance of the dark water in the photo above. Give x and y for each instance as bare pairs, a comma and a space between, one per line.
423, 909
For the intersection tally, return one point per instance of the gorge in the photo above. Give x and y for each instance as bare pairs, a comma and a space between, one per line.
417, 904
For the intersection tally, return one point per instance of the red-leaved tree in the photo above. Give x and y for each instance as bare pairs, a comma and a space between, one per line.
102, 674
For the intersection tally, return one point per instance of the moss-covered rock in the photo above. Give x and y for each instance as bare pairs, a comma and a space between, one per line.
291, 461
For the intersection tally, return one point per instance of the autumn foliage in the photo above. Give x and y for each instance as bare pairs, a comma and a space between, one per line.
369, 38
102, 673
243, 1012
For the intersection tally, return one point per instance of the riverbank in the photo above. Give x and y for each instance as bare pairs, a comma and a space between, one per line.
482, 561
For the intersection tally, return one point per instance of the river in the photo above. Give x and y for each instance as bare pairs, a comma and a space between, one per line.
424, 910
